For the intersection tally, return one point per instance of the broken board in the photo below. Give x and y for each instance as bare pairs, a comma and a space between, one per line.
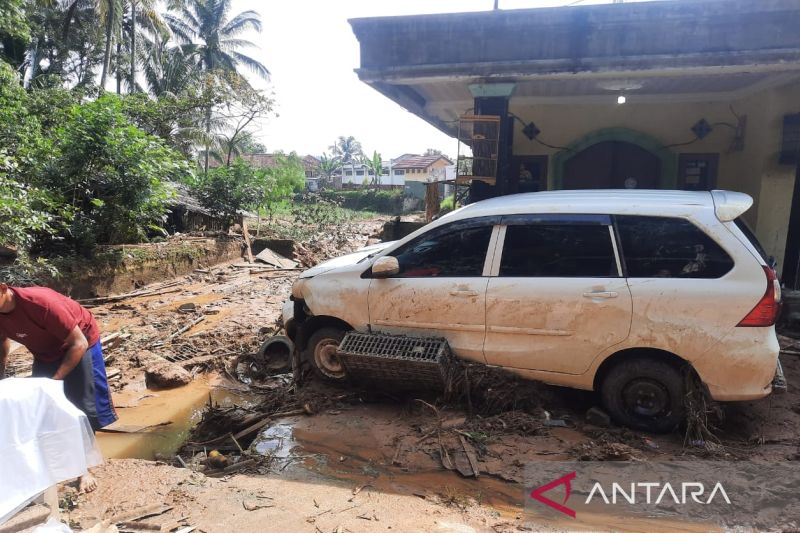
275, 259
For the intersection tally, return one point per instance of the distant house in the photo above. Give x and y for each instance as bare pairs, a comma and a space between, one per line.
417, 170
186, 213
398, 172
310, 166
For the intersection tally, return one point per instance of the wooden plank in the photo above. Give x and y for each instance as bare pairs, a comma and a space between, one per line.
276, 259
246, 235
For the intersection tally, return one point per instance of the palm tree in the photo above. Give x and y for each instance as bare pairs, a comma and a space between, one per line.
206, 29
167, 70
110, 14
348, 149
375, 166
150, 20
329, 165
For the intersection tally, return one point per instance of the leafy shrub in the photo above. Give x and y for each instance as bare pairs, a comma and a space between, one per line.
380, 201
113, 173
446, 205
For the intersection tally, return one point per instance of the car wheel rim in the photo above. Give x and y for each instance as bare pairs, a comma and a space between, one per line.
646, 398
326, 359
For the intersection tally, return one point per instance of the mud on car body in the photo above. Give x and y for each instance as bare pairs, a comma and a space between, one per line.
615, 291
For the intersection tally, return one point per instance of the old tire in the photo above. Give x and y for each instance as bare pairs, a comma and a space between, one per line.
321, 354
645, 394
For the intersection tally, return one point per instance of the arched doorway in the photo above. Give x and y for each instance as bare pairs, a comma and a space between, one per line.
615, 158
612, 165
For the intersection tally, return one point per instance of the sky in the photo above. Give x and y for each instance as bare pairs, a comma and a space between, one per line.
311, 52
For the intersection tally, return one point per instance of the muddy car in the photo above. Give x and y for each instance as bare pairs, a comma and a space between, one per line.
621, 292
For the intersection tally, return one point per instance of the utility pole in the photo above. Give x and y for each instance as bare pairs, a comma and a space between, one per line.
497, 4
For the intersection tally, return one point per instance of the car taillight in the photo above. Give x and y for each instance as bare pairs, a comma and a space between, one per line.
765, 313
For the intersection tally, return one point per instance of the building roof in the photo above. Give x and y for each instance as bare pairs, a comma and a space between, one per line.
411, 161
265, 160
435, 65
184, 198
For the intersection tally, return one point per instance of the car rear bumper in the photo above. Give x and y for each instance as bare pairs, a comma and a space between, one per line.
742, 366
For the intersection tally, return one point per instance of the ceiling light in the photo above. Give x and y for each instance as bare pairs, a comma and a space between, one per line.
621, 99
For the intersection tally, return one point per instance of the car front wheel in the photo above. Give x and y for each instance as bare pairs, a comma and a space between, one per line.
321, 353
645, 394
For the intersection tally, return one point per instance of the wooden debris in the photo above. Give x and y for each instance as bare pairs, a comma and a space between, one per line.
241, 465
141, 512
275, 259
187, 327
246, 235
471, 457
130, 428
152, 291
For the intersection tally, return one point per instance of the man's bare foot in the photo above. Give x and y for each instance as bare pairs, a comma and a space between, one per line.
87, 483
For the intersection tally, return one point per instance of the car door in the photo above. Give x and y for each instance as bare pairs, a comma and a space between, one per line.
557, 297
441, 287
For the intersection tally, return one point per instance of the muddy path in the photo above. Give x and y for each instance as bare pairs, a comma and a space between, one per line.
356, 460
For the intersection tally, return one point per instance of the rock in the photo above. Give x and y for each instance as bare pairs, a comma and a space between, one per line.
454, 422
160, 373
597, 417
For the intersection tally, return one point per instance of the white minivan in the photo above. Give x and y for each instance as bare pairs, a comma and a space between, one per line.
617, 291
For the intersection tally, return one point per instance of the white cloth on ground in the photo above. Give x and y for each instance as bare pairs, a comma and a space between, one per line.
44, 440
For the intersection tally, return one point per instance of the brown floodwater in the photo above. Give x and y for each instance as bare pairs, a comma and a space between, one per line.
168, 416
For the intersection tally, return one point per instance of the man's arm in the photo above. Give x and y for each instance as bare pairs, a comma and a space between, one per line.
76, 345
5, 349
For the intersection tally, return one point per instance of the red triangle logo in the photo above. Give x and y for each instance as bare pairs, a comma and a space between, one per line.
538, 494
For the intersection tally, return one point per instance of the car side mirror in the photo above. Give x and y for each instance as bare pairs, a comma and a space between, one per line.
385, 267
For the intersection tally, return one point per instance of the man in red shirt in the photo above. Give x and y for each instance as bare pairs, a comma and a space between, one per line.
65, 342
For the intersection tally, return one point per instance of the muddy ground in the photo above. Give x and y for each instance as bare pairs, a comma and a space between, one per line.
328, 459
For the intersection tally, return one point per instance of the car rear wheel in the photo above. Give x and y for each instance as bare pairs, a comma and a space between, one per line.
644, 394
321, 353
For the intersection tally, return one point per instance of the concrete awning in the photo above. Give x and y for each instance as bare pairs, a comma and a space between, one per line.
689, 50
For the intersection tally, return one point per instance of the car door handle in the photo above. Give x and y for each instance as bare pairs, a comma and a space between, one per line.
601, 294
463, 293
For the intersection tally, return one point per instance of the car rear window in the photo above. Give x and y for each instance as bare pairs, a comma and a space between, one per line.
665, 247
744, 228
558, 251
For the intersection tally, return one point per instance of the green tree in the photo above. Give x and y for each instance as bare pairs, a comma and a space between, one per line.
375, 166
236, 115
167, 70
114, 175
227, 191
25, 211
13, 22
142, 13
207, 29
278, 181
348, 149
329, 165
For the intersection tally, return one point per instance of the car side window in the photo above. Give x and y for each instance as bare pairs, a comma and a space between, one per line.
665, 247
457, 252
558, 250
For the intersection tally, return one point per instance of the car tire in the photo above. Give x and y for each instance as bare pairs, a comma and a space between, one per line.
645, 394
321, 354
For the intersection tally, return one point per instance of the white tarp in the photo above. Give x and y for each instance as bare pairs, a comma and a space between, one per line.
44, 440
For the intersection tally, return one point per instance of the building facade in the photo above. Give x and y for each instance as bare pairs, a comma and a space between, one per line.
696, 95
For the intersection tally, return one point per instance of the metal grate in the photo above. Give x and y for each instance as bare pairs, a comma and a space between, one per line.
405, 362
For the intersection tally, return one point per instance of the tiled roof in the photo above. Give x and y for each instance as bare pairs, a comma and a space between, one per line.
407, 161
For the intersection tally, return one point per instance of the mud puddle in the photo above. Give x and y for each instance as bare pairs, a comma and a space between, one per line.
156, 423
329, 448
